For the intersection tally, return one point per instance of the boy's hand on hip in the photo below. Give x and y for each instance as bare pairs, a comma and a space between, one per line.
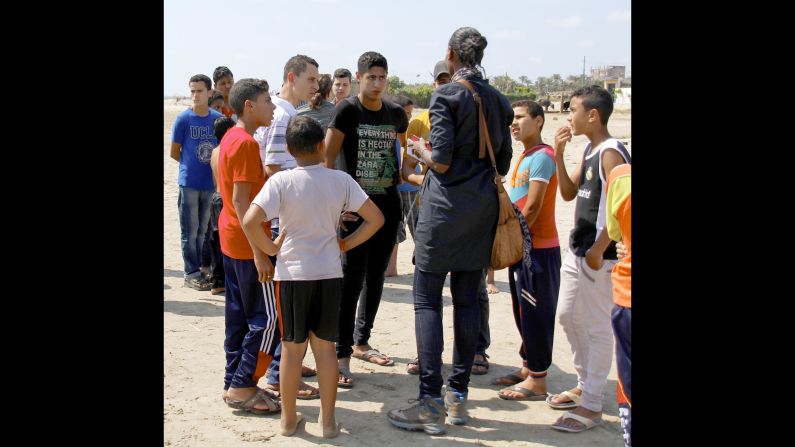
264, 267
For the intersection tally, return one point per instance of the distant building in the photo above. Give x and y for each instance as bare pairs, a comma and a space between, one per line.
610, 75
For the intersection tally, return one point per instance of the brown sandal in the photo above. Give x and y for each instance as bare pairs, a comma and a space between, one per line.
250, 405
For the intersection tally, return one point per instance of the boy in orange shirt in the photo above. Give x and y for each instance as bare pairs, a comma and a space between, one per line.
251, 334
619, 228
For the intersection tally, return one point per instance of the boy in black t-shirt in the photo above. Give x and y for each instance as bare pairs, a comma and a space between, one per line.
365, 129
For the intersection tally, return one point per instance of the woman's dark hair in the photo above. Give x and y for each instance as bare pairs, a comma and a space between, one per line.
468, 44
323, 89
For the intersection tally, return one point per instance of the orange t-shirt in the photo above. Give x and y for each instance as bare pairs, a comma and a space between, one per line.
537, 164
238, 161
619, 228
228, 111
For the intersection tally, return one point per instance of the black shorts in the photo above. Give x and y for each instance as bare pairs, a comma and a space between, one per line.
310, 306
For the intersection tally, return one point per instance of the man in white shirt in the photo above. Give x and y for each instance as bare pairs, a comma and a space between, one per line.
299, 83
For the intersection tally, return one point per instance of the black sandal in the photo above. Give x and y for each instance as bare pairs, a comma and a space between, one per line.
482, 363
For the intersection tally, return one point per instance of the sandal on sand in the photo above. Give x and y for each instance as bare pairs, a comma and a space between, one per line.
510, 379
483, 364
314, 393
374, 353
526, 394
259, 398
587, 422
307, 371
574, 403
413, 367
346, 379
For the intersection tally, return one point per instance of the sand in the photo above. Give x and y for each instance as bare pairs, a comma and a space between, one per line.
194, 414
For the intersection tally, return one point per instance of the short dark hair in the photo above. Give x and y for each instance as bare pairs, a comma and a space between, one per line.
533, 107
214, 96
297, 64
595, 97
221, 125
403, 101
343, 73
468, 44
369, 60
246, 89
201, 78
303, 135
220, 72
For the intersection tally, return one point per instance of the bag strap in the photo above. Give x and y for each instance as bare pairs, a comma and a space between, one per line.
485, 139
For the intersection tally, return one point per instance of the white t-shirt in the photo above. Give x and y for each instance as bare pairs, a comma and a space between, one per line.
308, 201
272, 139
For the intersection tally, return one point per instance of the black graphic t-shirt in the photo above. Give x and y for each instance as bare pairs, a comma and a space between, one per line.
369, 144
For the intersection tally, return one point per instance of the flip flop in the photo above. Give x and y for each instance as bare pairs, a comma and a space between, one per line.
574, 403
587, 422
413, 367
526, 394
510, 379
314, 392
345, 373
368, 355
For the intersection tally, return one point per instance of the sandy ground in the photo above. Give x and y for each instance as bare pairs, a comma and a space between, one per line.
194, 414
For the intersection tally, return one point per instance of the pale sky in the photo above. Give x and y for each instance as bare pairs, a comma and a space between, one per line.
254, 38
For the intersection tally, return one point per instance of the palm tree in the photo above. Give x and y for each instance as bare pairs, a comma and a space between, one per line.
542, 84
556, 82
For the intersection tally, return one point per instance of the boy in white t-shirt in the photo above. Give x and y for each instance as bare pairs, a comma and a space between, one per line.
308, 201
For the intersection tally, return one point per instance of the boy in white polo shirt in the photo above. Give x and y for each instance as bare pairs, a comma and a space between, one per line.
308, 201
299, 83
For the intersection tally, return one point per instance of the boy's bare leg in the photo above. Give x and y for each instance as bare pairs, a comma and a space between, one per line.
289, 380
327, 377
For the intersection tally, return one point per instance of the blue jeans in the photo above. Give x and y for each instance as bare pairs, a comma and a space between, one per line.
427, 292
194, 215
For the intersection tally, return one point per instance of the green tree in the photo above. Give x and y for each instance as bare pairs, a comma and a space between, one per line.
555, 83
395, 85
420, 94
542, 85
573, 82
503, 83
